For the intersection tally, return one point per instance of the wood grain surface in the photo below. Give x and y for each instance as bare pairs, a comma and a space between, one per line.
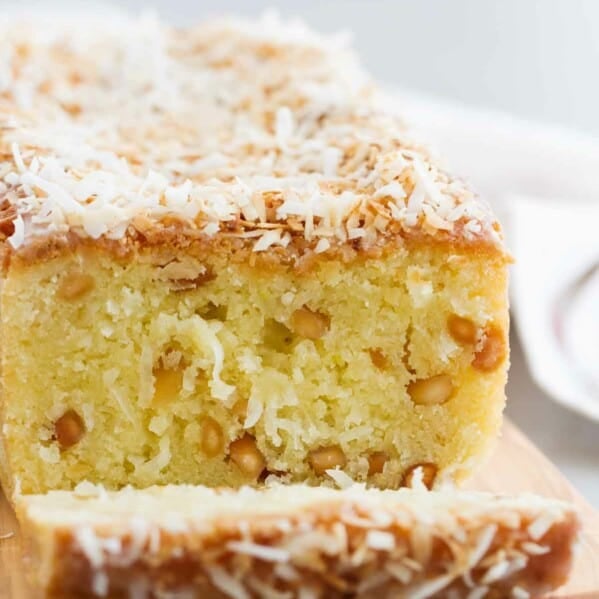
516, 466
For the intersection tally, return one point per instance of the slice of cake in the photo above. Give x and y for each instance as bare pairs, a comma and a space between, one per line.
296, 541
222, 258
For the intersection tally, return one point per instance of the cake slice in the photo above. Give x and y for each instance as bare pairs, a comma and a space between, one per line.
223, 259
296, 541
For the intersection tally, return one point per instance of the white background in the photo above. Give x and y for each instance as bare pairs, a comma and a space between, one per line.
538, 59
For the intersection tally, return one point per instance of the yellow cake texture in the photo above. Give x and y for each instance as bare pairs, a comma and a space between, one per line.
225, 260
296, 541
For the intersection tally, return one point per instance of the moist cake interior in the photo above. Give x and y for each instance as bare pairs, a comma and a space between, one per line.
224, 257
170, 369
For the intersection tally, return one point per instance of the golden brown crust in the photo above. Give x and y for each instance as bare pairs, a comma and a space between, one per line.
74, 574
351, 546
299, 254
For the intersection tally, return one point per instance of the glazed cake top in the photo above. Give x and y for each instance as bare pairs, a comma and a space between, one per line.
259, 130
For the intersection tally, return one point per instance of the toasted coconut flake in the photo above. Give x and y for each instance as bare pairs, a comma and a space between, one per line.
378, 539
227, 583
535, 548
17, 239
421, 542
341, 478
100, 584
496, 572
540, 526
483, 543
90, 545
430, 587
480, 592
322, 245
263, 552
204, 129
399, 572
286, 571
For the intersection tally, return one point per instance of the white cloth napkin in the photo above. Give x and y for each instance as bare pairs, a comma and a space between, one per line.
543, 182
503, 155
555, 291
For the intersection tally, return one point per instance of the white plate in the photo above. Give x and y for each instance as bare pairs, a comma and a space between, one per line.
555, 291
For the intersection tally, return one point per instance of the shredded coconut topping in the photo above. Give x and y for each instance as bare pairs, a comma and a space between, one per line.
259, 130
271, 542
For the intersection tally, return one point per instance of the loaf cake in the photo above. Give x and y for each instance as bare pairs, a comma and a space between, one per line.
224, 258
296, 541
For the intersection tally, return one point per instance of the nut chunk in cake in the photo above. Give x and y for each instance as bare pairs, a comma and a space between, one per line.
223, 259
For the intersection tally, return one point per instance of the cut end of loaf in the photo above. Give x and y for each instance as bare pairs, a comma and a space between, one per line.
170, 368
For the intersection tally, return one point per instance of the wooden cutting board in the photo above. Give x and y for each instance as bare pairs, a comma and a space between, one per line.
516, 466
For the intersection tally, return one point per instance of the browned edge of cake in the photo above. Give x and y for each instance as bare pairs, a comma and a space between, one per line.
335, 547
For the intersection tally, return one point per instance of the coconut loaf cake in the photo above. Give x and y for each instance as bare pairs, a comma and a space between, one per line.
296, 541
224, 258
